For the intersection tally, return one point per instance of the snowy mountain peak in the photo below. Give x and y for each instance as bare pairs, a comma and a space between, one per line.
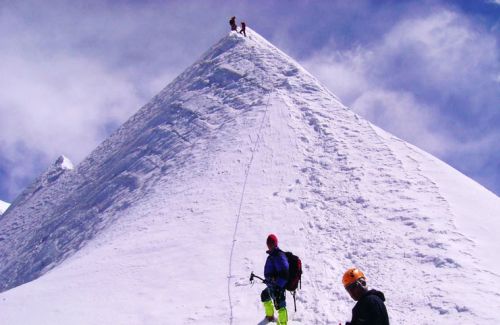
244, 143
3, 206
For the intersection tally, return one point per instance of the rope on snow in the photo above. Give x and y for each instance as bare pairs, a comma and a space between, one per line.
247, 172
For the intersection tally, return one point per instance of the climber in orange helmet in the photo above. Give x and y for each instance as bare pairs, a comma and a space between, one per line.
370, 308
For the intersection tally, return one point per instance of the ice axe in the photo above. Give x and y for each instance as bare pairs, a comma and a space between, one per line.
252, 276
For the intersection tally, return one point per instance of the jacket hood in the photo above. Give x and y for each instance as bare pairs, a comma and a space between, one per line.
376, 293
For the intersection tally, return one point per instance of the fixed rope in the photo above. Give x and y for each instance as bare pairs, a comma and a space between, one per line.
247, 172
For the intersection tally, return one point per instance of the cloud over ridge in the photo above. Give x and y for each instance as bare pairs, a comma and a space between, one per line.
408, 81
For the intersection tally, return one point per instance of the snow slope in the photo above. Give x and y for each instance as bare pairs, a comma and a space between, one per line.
3, 206
164, 221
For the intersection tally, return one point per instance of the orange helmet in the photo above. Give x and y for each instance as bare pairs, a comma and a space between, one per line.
352, 275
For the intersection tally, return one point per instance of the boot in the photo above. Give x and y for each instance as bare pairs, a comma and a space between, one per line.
270, 319
282, 316
269, 309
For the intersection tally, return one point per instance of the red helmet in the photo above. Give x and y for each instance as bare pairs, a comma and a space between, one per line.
272, 240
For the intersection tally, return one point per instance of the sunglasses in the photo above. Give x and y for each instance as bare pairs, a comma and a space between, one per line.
352, 286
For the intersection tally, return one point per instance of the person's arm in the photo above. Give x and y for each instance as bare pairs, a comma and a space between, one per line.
268, 269
283, 266
281, 270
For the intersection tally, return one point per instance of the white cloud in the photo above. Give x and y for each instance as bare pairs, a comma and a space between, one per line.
58, 102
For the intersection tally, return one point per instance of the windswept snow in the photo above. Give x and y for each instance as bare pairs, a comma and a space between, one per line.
3, 206
64, 163
164, 221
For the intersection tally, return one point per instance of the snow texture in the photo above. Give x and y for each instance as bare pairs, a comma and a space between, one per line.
165, 220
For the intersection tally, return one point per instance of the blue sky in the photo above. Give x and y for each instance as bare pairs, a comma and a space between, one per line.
72, 71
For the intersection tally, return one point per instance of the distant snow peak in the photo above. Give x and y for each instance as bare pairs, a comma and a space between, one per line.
3, 206
64, 163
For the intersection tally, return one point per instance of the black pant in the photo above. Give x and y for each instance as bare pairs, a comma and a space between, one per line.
275, 293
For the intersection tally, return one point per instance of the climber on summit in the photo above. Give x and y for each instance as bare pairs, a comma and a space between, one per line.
232, 23
243, 29
276, 278
370, 308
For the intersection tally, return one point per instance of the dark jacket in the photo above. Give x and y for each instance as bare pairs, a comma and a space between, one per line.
370, 310
276, 268
232, 23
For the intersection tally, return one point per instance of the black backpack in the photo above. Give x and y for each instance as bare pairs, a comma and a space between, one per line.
294, 274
